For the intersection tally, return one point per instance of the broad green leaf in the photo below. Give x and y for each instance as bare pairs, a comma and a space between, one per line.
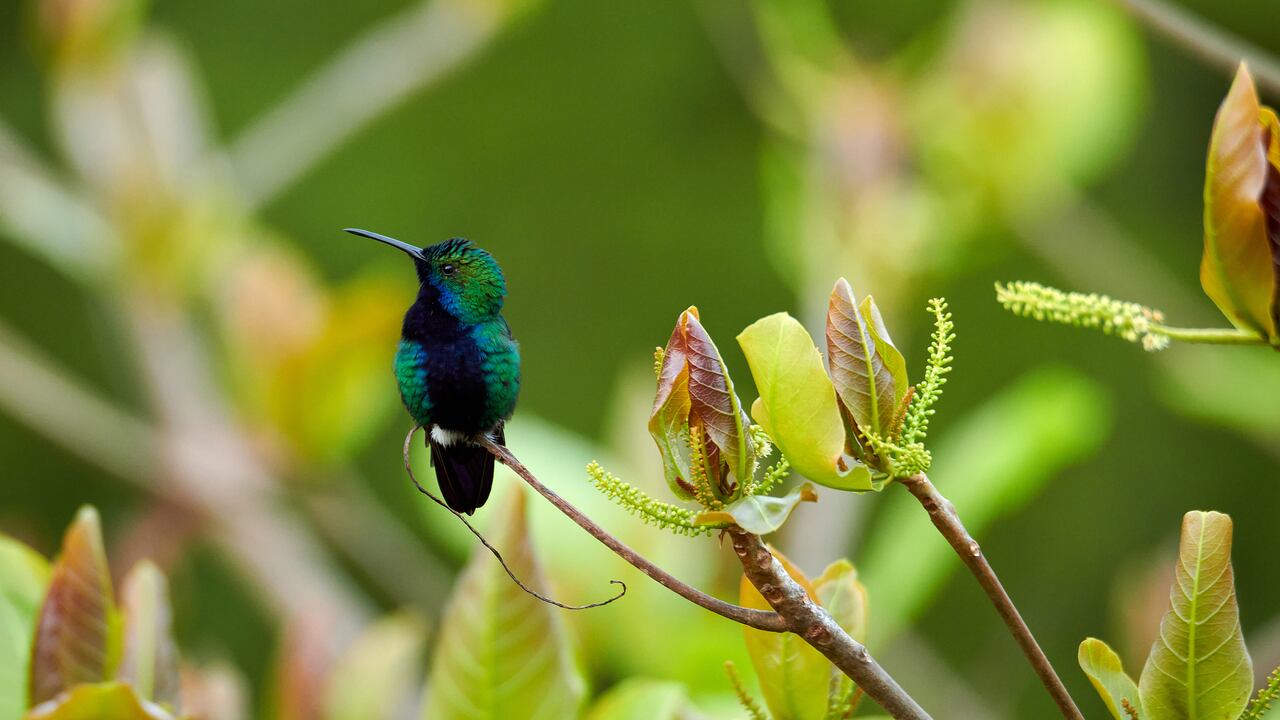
643, 699
669, 420
759, 514
864, 384
77, 634
840, 592
846, 599
1238, 269
23, 577
100, 701
797, 404
1199, 668
502, 653
377, 671
1102, 665
989, 463
794, 678
893, 360
150, 660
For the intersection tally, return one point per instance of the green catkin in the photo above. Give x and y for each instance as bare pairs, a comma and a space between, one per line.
754, 711
1266, 695
639, 503
915, 426
1130, 321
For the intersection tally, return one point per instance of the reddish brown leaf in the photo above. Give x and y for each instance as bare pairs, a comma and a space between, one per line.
1238, 269
864, 384
714, 402
671, 407
1271, 203
76, 635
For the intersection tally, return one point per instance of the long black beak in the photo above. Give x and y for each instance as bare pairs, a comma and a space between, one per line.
412, 250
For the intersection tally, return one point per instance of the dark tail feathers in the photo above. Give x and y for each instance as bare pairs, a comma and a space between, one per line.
464, 472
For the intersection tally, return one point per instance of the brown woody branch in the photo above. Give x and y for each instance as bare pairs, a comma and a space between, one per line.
816, 626
795, 611
947, 520
759, 619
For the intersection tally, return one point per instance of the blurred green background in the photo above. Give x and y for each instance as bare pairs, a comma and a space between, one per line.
622, 162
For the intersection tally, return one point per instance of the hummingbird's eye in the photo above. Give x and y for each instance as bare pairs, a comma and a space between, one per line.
448, 269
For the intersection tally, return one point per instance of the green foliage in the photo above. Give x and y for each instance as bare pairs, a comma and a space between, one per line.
643, 699
797, 682
1105, 671
794, 677
797, 404
759, 514
24, 574
1198, 667
501, 652
639, 503
377, 671
1130, 321
96, 701
150, 659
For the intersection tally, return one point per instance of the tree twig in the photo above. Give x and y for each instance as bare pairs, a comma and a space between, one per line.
815, 626
759, 619
1213, 46
947, 520
795, 611
408, 468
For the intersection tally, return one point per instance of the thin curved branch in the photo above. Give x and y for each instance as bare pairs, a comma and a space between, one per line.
796, 612
947, 520
759, 619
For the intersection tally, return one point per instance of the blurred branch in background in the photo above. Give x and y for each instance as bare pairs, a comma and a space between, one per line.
379, 69
1212, 45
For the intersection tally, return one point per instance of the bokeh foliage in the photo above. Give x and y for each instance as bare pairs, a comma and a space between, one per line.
622, 165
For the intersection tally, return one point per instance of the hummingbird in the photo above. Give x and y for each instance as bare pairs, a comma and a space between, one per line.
457, 365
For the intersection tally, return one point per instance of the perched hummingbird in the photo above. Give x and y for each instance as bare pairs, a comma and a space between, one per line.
458, 366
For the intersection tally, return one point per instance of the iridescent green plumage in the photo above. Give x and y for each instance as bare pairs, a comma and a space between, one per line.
458, 366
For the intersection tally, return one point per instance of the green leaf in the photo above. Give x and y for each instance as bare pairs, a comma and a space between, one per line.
502, 653
862, 380
1238, 268
1103, 667
100, 701
150, 661
893, 360
377, 671
759, 514
23, 577
840, 592
990, 463
643, 699
797, 404
77, 635
1198, 667
794, 677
